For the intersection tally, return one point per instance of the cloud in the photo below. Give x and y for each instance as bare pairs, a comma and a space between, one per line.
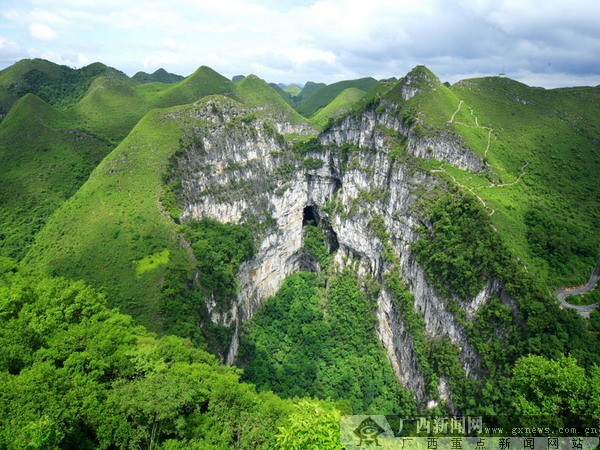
42, 32
68, 58
9, 51
319, 40
8, 46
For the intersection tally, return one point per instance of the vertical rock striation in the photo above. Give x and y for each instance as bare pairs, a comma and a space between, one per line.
247, 171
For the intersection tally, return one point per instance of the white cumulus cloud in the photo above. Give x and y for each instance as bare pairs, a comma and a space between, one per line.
42, 32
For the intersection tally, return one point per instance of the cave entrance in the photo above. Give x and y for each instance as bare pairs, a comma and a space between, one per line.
309, 215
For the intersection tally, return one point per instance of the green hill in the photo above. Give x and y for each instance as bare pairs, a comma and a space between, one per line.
110, 107
255, 92
340, 105
34, 136
58, 85
541, 148
309, 89
44, 160
160, 75
309, 105
114, 104
116, 219
292, 89
115, 233
204, 81
545, 145
286, 96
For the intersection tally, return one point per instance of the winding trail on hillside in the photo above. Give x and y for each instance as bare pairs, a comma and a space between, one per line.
489, 129
487, 148
584, 310
470, 189
455, 112
562, 293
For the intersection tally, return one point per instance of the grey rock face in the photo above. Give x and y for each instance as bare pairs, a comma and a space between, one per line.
245, 171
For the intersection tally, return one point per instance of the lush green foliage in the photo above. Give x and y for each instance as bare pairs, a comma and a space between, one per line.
315, 243
75, 374
44, 161
415, 325
305, 146
322, 97
459, 249
308, 340
337, 107
219, 249
314, 426
585, 299
558, 391
560, 244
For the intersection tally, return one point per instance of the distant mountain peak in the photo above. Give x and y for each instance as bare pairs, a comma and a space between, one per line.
160, 75
418, 80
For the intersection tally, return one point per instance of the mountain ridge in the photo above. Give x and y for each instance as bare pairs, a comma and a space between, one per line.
434, 222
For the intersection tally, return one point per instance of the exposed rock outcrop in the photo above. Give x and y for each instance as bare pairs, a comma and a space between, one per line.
248, 171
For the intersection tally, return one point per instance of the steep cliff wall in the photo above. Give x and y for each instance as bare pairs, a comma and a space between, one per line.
247, 171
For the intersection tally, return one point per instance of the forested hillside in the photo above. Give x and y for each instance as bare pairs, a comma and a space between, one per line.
207, 263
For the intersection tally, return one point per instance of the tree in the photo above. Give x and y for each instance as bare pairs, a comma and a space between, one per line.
314, 425
556, 390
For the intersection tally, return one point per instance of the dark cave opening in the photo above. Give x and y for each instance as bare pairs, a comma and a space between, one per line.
309, 215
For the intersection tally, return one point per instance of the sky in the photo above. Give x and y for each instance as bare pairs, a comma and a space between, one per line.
549, 43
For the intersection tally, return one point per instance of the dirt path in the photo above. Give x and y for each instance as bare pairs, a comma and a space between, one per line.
561, 294
455, 112
487, 148
584, 310
470, 189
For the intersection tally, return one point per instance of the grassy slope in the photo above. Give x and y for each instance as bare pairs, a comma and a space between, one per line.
309, 89
160, 75
340, 105
556, 133
60, 86
202, 82
115, 225
255, 92
293, 89
549, 136
322, 97
44, 160
287, 97
106, 230
111, 107
114, 104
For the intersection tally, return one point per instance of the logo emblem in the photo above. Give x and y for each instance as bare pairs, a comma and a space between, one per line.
367, 432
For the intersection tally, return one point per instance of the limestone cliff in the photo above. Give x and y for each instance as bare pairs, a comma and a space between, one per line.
243, 170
